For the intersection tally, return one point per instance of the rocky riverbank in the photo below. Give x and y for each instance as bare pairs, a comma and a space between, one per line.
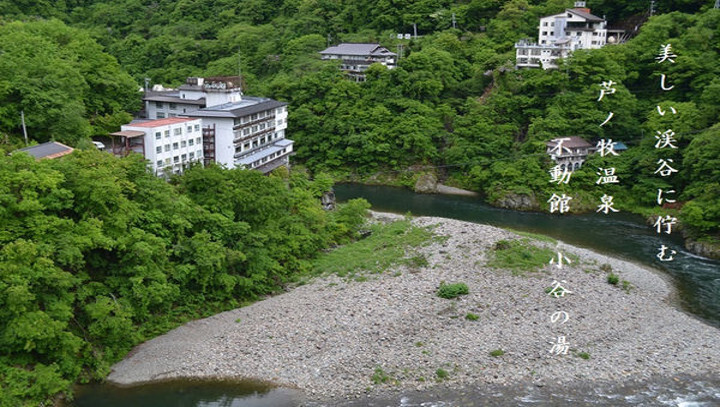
337, 339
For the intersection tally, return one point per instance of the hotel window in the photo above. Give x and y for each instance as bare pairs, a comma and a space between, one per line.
159, 163
255, 143
246, 131
246, 146
183, 144
167, 147
160, 115
191, 142
189, 129
253, 117
262, 126
177, 131
262, 114
197, 127
199, 153
192, 156
173, 106
167, 161
262, 140
254, 128
175, 146
198, 140
176, 159
158, 149
184, 157
167, 133
159, 105
158, 135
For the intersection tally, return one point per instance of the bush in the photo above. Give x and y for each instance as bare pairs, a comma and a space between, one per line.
613, 279
442, 374
497, 353
450, 291
380, 376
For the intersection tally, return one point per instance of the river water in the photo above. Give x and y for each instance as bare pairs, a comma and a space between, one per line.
620, 235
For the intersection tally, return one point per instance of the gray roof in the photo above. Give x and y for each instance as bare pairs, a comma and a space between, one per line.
174, 99
587, 16
248, 105
348, 48
51, 149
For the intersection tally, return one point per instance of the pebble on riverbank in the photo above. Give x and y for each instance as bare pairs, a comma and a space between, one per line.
335, 338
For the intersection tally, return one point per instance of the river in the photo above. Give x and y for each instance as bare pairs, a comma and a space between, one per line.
620, 235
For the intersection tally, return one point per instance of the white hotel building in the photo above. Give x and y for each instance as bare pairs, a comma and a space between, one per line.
559, 35
170, 145
237, 130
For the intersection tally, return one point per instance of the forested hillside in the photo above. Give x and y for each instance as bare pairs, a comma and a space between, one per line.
454, 102
94, 249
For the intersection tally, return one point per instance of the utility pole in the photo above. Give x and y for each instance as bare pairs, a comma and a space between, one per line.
22, 119
454, 22
400, 50
240, 72
415, 30
652, 8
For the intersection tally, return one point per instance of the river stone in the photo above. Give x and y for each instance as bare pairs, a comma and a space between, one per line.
426, 184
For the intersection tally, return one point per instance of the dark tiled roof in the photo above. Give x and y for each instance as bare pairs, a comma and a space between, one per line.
585, 15
51, 149
249, 105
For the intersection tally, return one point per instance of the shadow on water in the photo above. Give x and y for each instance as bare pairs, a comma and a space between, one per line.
187, 393
621, 235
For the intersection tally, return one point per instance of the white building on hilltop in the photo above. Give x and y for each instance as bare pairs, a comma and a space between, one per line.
237, 130
559, 35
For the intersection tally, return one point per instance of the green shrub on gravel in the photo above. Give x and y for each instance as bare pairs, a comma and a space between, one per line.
450, 291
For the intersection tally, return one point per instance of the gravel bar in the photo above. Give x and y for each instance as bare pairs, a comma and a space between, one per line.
329, 337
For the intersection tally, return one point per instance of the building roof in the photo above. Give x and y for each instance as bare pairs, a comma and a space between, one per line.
128, 133
161, 122
248, 105
171, 98
569, 142
49, 150
349, 48
586, 15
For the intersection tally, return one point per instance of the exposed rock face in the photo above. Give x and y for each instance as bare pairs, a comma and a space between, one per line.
426, 184
328, 200
521, 202
704, 249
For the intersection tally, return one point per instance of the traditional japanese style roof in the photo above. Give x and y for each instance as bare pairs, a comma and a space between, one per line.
248, 105
49, 150
569, 142
348, 48
161, 122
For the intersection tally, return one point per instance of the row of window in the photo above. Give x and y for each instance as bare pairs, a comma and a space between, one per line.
161, 105
178, 131
179, 159
265, 159
257, 116
182, 144
257, 142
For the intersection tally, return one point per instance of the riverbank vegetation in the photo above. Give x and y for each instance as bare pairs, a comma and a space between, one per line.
97, 254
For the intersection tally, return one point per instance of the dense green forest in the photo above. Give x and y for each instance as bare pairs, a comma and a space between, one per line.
96, 254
